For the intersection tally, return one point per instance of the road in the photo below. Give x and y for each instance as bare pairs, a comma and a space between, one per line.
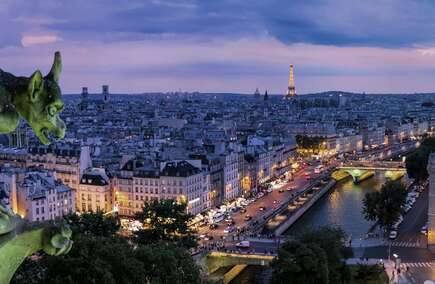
270, 202
417, 262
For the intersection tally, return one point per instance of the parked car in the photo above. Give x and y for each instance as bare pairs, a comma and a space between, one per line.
213, 226
229, 230
407, 207
243, 244
208, 238
247, 217
424, 230
262, 208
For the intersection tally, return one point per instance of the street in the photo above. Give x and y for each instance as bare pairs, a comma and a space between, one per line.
270, 202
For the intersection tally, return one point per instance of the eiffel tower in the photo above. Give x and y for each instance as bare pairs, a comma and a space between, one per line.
291, 90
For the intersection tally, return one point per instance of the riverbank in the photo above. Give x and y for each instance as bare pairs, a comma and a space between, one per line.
293, 216
341, 206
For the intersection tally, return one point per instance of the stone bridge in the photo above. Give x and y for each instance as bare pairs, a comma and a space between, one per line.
214, 260
361, 170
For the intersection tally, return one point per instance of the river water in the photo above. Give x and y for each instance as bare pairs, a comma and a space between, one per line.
342, 206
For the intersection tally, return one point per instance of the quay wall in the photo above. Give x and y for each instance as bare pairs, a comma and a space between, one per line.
304, 208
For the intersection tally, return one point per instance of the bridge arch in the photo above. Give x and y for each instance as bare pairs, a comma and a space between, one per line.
214, 260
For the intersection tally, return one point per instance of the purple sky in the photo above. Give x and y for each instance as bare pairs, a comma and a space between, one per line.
224, 45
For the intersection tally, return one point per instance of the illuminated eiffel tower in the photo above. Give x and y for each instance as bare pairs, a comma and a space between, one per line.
291, 90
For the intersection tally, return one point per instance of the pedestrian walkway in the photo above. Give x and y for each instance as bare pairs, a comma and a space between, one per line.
381, 242
417, 264
405, 244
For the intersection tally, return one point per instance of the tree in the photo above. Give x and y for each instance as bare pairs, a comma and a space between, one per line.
99, 255
313, 144
300, 263
294, 261
369, 274
168, 263
165, 221
96, 260
332, 241
96, 224
385, 206
416, 162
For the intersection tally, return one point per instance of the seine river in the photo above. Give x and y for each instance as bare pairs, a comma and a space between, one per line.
342, 207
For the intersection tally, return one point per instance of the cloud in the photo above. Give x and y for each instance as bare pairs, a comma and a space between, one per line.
29, 40
385, 23
226, 45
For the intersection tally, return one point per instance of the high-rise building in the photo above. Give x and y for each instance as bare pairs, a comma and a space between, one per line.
84, 99
84, 94
291, 90
106, 93
266, 96
257, 93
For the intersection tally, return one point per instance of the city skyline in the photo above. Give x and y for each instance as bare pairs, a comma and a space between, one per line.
230, 46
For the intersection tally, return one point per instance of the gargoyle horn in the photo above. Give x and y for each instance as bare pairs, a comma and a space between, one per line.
55, 69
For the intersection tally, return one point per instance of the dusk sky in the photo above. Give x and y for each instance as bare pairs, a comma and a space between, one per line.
224, 45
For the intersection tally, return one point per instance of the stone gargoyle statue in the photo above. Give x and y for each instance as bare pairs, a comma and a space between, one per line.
37, 99
20, 239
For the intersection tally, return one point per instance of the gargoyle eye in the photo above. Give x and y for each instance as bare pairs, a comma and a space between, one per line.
52, 110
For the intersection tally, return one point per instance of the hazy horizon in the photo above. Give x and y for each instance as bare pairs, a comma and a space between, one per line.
226, 46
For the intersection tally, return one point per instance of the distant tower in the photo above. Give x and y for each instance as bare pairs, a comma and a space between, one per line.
257, 93
84, 95
84, 98
106, 93
266, 96
18, 137
291, 90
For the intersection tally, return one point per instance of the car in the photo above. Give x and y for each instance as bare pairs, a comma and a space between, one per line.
243, 244
393, 235
213, 226
424, 230
275, 201
407, 207
269, 190
208, 238
229, 230
262, 208
281, 190
247, 217
243, 210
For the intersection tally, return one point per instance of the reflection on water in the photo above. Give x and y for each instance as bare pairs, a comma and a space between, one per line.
253, 275
341, 207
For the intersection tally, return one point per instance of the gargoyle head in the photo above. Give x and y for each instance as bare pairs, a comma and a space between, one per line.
43, 103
